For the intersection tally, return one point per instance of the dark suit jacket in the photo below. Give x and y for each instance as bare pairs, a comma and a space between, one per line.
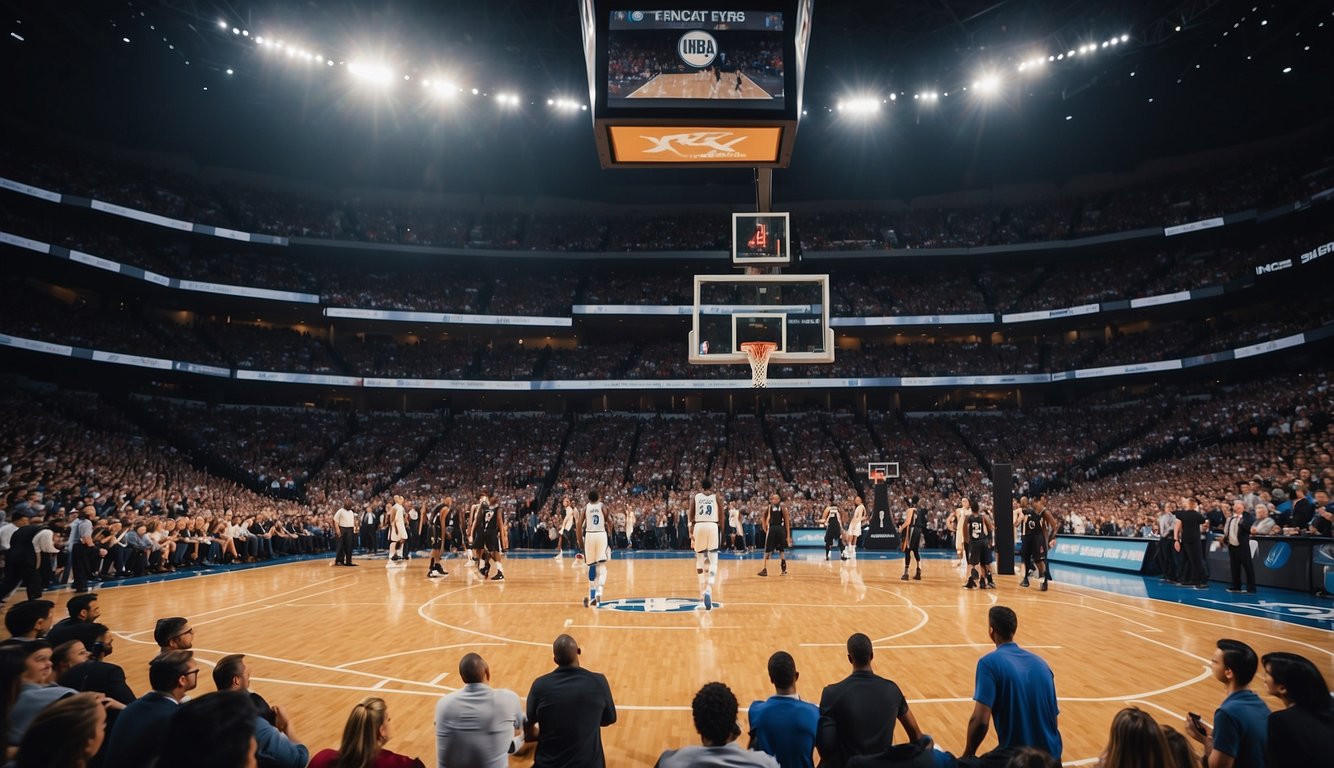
136, 740
857, 717
1243, 531
99, 676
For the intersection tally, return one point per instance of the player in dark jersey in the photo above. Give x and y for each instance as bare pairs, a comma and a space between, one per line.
489, 538
912, 532
976, 530
777, 534
452, 522
433, 536
738, 82
833, 531
1039, 531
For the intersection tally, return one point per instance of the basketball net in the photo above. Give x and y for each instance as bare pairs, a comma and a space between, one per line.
757, 352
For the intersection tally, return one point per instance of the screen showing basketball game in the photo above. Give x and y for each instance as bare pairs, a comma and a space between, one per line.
761, 238
692, 58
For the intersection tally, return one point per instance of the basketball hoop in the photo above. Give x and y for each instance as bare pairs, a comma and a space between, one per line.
757, 352
877, 477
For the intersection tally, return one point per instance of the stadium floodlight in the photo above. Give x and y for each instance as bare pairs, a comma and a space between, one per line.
1125, 38
441, 89
259, 40
859, 105
378, 74
236, 30
893, 97
229, 71
222, 24
987, 85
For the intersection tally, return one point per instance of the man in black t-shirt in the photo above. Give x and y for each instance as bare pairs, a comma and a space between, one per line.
1189, 542
858, 713
567, 710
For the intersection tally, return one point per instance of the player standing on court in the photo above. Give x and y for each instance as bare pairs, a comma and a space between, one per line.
855, 528
777, 534
735, 530
491, 535
833, 531
704, 540
433, 535
912, 532
398, 531
1039, 531
961, 514
591, 537
566, 525
976, 529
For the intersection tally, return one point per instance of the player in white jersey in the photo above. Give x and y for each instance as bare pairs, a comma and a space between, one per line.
398, 531
566, 525
591, 532
855, 527
704, 540
736, 531
960, 515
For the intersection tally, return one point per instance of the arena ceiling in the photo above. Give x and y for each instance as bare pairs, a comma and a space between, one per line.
117, 72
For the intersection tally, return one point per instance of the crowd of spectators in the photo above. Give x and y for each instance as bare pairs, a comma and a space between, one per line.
52, 314
1108, 467
1180, 198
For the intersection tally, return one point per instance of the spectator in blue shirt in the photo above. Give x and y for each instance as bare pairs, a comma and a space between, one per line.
1241, 721
1015, 688
783, 725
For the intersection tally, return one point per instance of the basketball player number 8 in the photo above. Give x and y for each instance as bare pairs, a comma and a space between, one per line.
597, 520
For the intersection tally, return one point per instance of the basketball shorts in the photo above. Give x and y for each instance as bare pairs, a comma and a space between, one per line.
706, 537
978, 552
855, 530
432, 538
831, 538
595, 547
776, 540
915, 538
491, 542
1034, 548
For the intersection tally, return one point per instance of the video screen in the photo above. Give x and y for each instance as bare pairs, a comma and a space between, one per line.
695, 59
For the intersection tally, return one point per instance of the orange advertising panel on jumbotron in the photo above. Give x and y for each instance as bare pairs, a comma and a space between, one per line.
695, 145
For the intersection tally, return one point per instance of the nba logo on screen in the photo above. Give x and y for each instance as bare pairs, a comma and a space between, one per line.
697, 48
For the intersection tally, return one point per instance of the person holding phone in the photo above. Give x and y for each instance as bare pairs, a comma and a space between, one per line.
1240, 727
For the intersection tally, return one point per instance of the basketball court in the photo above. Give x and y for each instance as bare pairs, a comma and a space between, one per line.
319, 639
699, 85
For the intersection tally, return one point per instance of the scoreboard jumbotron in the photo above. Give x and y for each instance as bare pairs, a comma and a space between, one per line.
695, 84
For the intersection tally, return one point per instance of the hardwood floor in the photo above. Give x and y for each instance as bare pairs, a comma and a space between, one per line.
319, 639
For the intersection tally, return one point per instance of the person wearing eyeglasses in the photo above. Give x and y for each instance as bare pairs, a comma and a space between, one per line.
136, 740
174, 634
